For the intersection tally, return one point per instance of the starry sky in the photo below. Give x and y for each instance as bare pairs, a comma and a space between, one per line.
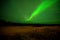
19, 11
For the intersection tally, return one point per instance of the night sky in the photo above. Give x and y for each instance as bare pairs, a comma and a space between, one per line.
19, 11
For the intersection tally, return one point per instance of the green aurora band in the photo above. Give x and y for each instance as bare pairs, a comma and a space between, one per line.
44, 5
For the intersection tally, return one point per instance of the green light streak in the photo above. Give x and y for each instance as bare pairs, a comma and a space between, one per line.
44, 5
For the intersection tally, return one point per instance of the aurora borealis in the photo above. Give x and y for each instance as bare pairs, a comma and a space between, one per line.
45, 4
30, 11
